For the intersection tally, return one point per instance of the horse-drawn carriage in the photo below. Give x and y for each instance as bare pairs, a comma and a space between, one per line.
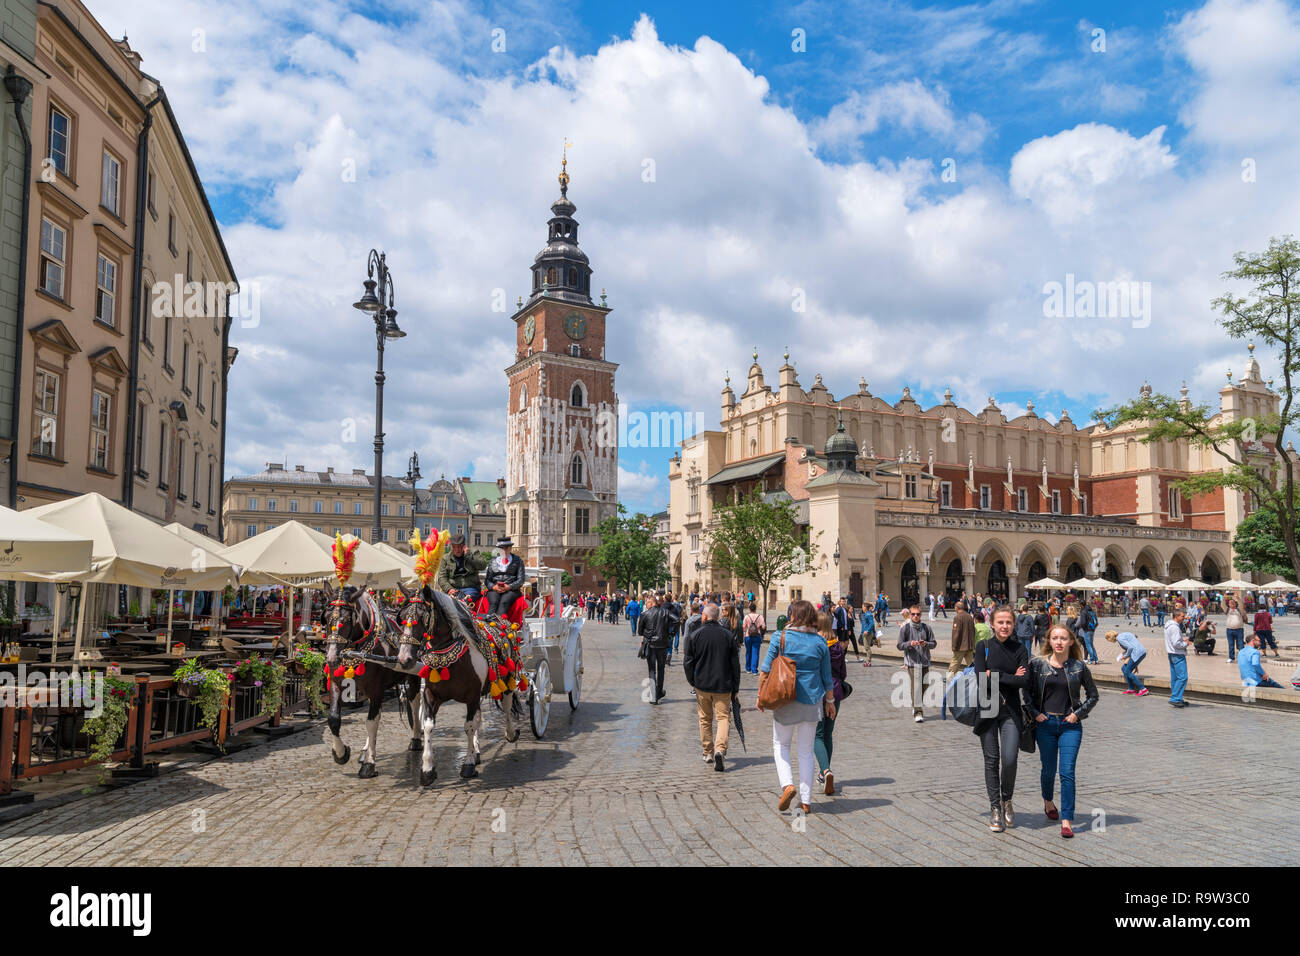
551, 649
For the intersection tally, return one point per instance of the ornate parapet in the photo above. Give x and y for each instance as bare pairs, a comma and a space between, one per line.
1072, 525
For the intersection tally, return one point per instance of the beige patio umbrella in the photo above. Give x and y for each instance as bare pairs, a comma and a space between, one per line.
1235, 584
128, 548
1187, 584
36, 545
1046, 583
1279, 585
1087, 584
295, 555
209, 545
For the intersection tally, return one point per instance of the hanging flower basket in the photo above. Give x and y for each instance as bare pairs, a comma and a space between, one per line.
186, 689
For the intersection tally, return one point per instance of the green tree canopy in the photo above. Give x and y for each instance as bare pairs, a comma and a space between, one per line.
1259, 546
1252, 447
759, 541
629, 553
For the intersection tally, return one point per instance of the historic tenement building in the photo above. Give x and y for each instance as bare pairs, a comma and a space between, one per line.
124, 354
908, 500
561, 432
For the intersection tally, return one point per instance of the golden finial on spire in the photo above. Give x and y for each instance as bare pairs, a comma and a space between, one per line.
564, 173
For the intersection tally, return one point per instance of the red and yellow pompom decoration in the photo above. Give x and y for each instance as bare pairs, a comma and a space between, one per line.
428, 553
345, 557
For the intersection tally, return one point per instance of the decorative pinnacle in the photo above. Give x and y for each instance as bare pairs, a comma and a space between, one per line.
519, 302
1251, 349
840, 427
564, 173
947, 396
755, 353
787, 354
1229, 375
602, 296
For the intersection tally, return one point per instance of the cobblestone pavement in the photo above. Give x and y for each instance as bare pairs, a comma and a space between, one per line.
621, 781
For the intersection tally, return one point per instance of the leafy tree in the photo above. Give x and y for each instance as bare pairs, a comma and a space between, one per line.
759, 541
1259, 546
1251, 446
628, 551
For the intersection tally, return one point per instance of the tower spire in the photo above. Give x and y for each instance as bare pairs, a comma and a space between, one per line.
564, 172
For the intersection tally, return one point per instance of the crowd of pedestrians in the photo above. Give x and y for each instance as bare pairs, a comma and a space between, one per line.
1038, 654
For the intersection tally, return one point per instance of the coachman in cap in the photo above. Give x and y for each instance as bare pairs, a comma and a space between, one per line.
458, 571
505, 579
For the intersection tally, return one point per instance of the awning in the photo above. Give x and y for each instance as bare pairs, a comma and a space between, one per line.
746, 469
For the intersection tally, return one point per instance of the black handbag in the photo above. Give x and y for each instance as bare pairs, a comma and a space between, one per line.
1028, 733
845, 689
644, 650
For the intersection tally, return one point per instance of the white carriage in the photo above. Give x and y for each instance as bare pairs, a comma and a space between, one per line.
551, 649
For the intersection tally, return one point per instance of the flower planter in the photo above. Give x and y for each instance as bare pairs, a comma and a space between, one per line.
186, 689
297, 667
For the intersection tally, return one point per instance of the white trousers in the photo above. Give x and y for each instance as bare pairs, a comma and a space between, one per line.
782, 735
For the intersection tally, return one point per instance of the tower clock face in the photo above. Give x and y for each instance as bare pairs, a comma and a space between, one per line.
575, 325
530, 328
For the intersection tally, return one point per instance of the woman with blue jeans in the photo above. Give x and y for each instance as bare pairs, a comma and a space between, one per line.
1234, 629
1055, 699
824, 745
1134, 652
814, 698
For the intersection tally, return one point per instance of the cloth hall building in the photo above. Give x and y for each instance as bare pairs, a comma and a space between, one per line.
910, 500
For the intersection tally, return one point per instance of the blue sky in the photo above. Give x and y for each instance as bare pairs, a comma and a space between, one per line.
1110, 157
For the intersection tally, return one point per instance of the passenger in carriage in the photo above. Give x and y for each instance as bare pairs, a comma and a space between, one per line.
458, 571
505, 579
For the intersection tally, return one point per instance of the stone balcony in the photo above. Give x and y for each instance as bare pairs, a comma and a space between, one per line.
1007, 522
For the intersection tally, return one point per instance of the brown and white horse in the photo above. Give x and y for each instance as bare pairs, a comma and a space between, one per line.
355, 621
433, 623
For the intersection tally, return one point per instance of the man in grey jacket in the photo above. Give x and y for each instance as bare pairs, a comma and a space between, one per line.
915, 638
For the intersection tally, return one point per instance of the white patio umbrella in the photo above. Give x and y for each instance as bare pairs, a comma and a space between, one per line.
211, 547
1087, 584
1235, 584
1134, 584
1187, 584
295, 555
128, 548
1279, 585
36, 545
1045, 583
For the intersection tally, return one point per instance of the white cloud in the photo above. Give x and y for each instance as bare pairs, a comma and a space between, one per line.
906, 105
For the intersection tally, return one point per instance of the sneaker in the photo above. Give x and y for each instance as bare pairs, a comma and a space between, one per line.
1130, 692
717, 762
995, 820
708, 758
821, 777
919, 719
1143, 692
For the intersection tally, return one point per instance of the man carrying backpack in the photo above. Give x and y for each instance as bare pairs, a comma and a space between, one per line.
1084, 628
1025, 627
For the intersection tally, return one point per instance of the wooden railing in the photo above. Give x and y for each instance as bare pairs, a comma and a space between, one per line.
39, 737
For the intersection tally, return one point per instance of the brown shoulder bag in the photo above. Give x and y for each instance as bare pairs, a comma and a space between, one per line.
778, 689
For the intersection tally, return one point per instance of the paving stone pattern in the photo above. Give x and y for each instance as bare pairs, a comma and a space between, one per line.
621, 782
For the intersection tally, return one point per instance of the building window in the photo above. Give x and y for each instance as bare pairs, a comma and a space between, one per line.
575, 397
1083, 505
1175, 504
338, 507
198, 385
100, 420
252, 504
54, 247
523, 397
577, 570
478, 539
189, 266
356, 533
695, 499
1056, 502
180, 470
575, 470
171, 232
318, 507
110, 187
45, 414
909, 486
106, 292
383, 509
214, 401
139, 437
270, 504
356, 508
162, 455
60, 139
524, 526
185, 367
695, 542
1022, 499
194, 481
293, 505
581, 520
986, 497
167, 343
210, 498
401, 511
252, 530
149, 192
945, 494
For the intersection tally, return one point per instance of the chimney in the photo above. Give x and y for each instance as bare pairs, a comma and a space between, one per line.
466, 478
501, 483
330, 470
275, 466
297, 468
359, 471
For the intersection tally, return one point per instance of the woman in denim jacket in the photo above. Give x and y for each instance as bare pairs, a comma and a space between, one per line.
1055, 698
814, 698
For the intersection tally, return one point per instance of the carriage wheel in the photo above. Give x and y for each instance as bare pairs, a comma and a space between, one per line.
575, 692
539, 698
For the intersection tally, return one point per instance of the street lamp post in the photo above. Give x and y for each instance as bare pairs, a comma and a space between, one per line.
413, 475
385, 328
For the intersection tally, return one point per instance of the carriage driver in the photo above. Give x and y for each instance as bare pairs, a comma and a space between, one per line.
505, 579
458, 571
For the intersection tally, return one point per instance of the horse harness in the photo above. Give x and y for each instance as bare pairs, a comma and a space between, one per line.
493, 638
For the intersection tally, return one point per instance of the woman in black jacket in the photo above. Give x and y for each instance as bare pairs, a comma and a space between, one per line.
1061, 693
1042, 621
1000, 735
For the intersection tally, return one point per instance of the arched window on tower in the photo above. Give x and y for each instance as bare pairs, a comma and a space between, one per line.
550, 276
573, 278
575, 470
576, 397
523, 397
